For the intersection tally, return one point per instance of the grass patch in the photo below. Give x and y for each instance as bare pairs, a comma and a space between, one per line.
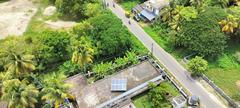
170, 88
142, 101
163, 41
225, 71
138, 47
159, 39
129, 4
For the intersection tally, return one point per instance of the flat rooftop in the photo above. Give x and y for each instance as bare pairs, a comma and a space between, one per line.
89, 96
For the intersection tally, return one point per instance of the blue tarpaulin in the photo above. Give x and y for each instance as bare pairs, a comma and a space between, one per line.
149, 15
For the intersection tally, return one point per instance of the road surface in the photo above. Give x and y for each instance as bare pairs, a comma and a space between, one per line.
208, 100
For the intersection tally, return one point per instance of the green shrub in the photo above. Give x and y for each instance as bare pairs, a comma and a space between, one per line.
237, 57
73, 8
157, 97
237, 96
52, 46
197, 66
131, 57
101, 70
69, 68
120, 63
109, 35
227, 62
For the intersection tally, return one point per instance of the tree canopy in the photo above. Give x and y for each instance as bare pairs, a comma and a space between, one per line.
197, 65
203, 35
52, 47
107, 33
73, 8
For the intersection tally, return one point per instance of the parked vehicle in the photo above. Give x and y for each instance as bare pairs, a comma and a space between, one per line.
193, 101
136, 18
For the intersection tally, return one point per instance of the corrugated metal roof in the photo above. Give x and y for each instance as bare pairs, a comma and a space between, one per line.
149, 15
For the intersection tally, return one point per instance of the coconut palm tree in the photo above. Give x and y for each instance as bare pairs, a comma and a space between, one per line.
230, 24
176, 18
222, 3
196, 3
18, 94
55, 90
82, 52
166, 14
14, 58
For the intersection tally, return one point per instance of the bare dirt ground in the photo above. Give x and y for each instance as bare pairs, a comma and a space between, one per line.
15, 16
238, 83
60, 24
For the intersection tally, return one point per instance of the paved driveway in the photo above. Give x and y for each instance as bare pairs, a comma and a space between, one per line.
208, 100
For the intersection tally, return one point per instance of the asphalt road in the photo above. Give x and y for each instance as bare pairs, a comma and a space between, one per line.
207, 99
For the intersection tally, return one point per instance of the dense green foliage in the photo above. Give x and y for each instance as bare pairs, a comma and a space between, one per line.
103, 69
19, 94
160, 95
51, 47
15, 58
237, 57
203, 34
197, 66
73, 8
109, 35
54, 89
156, 94
69, 68
144, 101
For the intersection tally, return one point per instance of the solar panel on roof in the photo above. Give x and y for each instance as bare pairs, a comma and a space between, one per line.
119, 85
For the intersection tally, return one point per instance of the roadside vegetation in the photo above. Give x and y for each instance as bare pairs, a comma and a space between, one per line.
209, 29
34, 66
129, 4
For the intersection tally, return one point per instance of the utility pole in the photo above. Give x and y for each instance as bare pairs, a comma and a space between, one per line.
152, 49
104, 4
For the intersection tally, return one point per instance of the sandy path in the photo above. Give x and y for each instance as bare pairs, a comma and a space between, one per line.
15, 16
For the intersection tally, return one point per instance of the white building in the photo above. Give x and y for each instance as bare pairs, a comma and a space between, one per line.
151, 8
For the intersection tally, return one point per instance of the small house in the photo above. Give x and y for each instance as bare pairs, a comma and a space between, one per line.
150, 9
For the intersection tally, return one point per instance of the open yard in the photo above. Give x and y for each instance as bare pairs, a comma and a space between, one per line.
143, 101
